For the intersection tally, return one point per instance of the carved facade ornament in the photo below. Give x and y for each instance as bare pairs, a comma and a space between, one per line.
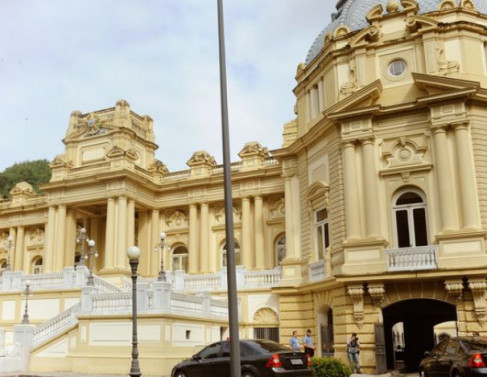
220, 215
446, 5
478, 288
254, 149
266, 316
445, 66
36, 237
455, 289
356, 292
414, 23
318, 195
95, 125
158, 167
177, 220
60, 162
468, 5
378, 294
404, 152
3, 240
116, 151
341, 30
22, 188
201, 158
392, 6
300, 69
410, 5
277, 209
352, 85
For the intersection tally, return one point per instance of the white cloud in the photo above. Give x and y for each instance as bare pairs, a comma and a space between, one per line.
161, 56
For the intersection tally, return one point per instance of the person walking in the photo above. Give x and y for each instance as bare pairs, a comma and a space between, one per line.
309, 347
294, 342
353, 350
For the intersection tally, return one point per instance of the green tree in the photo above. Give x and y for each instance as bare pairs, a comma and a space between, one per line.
35, 172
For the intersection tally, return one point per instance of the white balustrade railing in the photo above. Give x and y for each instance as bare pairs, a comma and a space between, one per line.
186, 303
104, 286
56, 325
205, 282
413, 258
219, 308
119, 302
44, 281
264, 278
317, 270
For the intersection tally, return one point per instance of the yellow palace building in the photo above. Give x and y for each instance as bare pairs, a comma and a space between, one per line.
371, 218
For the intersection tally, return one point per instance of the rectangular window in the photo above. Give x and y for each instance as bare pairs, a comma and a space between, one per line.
322, 232
403, 228
269, 333
419, 216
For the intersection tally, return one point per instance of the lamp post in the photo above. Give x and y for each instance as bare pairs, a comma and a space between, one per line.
25, 319
82, 240
162, 245
133, 253
8, 247
90, 256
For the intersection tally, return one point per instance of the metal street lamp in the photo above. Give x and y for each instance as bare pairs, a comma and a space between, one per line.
90, 256
133, 253
82, 240
8, 247
25, 319
162, 245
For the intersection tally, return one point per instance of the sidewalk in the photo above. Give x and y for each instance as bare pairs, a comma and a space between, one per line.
66, 374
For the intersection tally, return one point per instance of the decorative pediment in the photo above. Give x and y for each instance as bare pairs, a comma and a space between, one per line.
117, 151
370, 35
254, 149
375, 13
340, 31
266, 316
423, 23
177, 220
468, 5
60, 162
447, 5
360, 101
434, 84
318, 195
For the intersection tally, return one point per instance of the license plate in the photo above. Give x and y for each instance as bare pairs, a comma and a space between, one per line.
296, 362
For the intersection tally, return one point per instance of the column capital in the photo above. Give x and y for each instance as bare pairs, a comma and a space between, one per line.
440, 129
460, 125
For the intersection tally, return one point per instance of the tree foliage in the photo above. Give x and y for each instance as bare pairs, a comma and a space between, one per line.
35, 172
329, 367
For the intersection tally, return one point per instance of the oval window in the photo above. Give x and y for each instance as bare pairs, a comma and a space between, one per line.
397, 68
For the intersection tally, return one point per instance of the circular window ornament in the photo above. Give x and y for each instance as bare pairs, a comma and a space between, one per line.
397, 68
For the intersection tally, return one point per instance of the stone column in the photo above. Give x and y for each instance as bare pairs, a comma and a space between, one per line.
121, 239
19, 249
49, 246
259, 234
321, 96
445, 184
130, 224
155, 256
352, 206
70, 242
60, 239
292, 217
245, 244
314, 102
193, 240
110, 235
204, 230
466, 172
370, 178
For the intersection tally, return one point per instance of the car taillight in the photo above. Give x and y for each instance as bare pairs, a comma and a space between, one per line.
274, 361
309, 359
477, 361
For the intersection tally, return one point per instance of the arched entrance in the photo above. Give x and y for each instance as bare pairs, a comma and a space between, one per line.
418, 318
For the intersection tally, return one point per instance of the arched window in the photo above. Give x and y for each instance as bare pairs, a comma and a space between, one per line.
280, 249
179, 258
237, 254
322, 232
410, 217
37, 266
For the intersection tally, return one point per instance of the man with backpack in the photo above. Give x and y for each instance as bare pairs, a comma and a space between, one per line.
353, 350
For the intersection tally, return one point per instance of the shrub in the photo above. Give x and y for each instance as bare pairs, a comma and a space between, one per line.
329, 367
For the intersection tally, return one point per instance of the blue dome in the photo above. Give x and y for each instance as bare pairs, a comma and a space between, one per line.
352, 13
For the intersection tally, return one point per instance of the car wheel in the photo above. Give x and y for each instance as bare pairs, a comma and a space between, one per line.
456, 373
180, 374
423, 373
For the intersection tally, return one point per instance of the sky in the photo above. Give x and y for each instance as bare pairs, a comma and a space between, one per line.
57, 56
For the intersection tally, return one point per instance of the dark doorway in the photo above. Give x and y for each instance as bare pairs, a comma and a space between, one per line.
419, 317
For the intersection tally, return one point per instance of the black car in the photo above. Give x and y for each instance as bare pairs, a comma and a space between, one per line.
259, 358
456, 357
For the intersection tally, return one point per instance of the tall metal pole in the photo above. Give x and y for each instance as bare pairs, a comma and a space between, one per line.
133, 254
231, 275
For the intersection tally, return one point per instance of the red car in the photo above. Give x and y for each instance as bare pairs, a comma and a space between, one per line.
259, 358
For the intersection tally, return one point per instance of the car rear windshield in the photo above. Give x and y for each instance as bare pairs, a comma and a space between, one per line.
476, 344
269, 346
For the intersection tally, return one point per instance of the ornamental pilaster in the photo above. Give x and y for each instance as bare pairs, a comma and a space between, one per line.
356, 292
478, 288
351, 191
